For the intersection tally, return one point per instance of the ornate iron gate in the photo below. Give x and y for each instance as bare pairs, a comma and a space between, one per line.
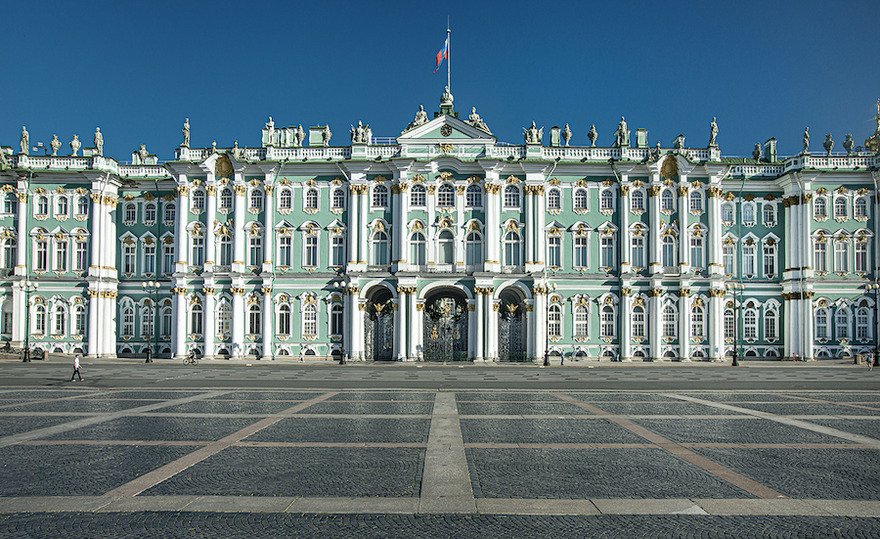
512, 332
379, 331
445, 337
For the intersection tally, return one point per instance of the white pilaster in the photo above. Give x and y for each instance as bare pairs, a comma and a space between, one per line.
181, 234
353, 224
491, 327
239, 256
460, 232
684, 252
238, 344
363, 237
269, 236
684, 325
655, 259
268, 320
714, 258
655, 318
210, 325
540, 315
626, 304
493, 225
479, 310
529, 255
210, 238
716, 324
179, 329
540, 224
623, 207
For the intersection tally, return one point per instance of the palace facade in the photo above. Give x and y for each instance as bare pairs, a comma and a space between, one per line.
441, 244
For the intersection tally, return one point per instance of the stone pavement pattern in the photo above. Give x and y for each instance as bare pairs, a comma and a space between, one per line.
151, 458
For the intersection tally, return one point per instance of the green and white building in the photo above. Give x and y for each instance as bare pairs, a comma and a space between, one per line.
442, 244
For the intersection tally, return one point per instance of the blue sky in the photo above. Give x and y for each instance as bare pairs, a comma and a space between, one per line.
136, 69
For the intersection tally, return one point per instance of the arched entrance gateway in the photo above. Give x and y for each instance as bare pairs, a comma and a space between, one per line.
446, 324
379, 325
512, 327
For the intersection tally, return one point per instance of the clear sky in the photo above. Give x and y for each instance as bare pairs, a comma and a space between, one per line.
764, 68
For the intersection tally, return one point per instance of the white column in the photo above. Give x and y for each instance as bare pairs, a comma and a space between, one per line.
363, 237
493, 225
95, 270
460, 230
356, 322
540, 316
540, 224
353, 224
715, 260
108, 311
181, 235
210, 239
239, 257
655, 259
625, 314
23, 238
210, 325
655, 319
684, 324
491, 327
268, 322
417, 333
684, 262
431, 227
180, 321
403, 295
808, 326
623, 212
238, 344
397, 313
480, 299
529, 256
716, 324
399, 249
269, 236
787, 320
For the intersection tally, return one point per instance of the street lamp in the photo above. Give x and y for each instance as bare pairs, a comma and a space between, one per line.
875, 288
26, 351
150, 287
733, 288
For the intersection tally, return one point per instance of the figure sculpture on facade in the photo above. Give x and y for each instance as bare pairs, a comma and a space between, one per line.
325, 135
270, 130
143, 153
593, 135
55, 144
713, 133
368, 134
446, 98
185, 143
655, 153
566, 133
806, 140
848, 143
532, 134
361, 134
475, 120
756, 153
25, 143
299, 136
75, 145
828, 144
678, 143
99, 141
621, 136
236, 151
420, 119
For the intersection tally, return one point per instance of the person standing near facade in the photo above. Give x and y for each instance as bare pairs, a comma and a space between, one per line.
76, 373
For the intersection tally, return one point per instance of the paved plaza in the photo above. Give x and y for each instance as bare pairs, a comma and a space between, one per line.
369, 451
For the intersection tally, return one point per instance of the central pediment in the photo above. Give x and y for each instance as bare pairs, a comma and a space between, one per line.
446, 129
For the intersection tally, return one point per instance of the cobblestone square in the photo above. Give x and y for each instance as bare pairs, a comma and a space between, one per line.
750, 430
519, 408
157, 428
347, 429
361, 407
545, 431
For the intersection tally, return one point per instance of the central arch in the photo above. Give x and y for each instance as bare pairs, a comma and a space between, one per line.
512, 332
446, 325
379, 325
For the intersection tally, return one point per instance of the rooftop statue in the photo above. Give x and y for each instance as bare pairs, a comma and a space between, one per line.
270, 129
756, 153
532, 134
621, 136
236, 151
25, 142
185, 142
828, 144
75, 145
713, 132
143, 153
655, 153
325, 135
55, 144
806, 140
446, 98
848, 143
475, 120
361, 134
299, 136
872, 143
593, 135
678, 143
566, 133
99, 141
420, 119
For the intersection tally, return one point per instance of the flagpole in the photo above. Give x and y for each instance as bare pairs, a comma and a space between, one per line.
449, 54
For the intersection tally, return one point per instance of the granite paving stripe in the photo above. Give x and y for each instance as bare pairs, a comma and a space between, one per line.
12, 404
81, 422
747, 397
502, 396
350, 429
515, 506
163, 473
619, 397
873, 442
841, 396
163, 394
755, 430
722, 472
10, 425
656, 408
849, 404
330, 444
102, 443
555, 445
862, 426
446, 481
809, 409
362, 416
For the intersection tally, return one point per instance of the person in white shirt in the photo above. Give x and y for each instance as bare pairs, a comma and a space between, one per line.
76, 369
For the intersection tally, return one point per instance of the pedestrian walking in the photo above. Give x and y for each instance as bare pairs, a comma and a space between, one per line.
76, 373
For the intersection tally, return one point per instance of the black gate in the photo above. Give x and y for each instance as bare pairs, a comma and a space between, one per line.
512, 331
379, 331
445, 337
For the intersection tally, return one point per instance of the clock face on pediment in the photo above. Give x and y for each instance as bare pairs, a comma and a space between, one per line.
445, 129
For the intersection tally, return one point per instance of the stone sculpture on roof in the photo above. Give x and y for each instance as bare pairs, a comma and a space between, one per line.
99, 141
55, 144
566, 133
24, 143
806, 140
75, 145
593, 135
420, 119
325, 135
475, 120
185, 142
621, 135
713, 132
532, 134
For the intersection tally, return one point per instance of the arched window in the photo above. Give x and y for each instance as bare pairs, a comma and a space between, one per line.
860, 208
748, 209
9, 253
196, 317
820, 208
61, 207
338, 199
861, 255
729, 324
667, 201
606, 200
769, 215
79, 320
226, 198
696, 201
336, 319
670, 324
581, 322
82, 205
727, 213
198, 201
840, 208
310, 321
554, 322
42, 205
511, 197
285, 199
311, 199
60, 319
147, 319
606, 322
512, 248
445, 244
770, 324
255, 320
638, 322
822, 324
256, 200
473, 246
637, 201
580, 199
841, 323
169, 213
149, 213
446, 196
380, 248
224, 319
417, 196
698, 322
669, 254
417, 249
225, 241
130, 212
128, 321
554, 200
750, 324
283, 320
862, 324
380, 196
166, 321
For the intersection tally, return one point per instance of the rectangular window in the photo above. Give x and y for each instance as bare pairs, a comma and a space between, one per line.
337, 250
769, 261
861, 256
41, 255
606, 250
638, 252
841, 256
697, 252
150, 258
554, 251
749, 255
311, 258
581, 259
79, 321
198, 252
284, 250
128, 259
7, 323
256, 251
82, 256
820, 256
168, 258
61, 256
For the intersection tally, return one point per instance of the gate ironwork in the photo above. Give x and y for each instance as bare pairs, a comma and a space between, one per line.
512, 332
379, 331
445, 336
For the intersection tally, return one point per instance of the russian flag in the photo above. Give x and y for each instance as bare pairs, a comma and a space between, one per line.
442, 54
